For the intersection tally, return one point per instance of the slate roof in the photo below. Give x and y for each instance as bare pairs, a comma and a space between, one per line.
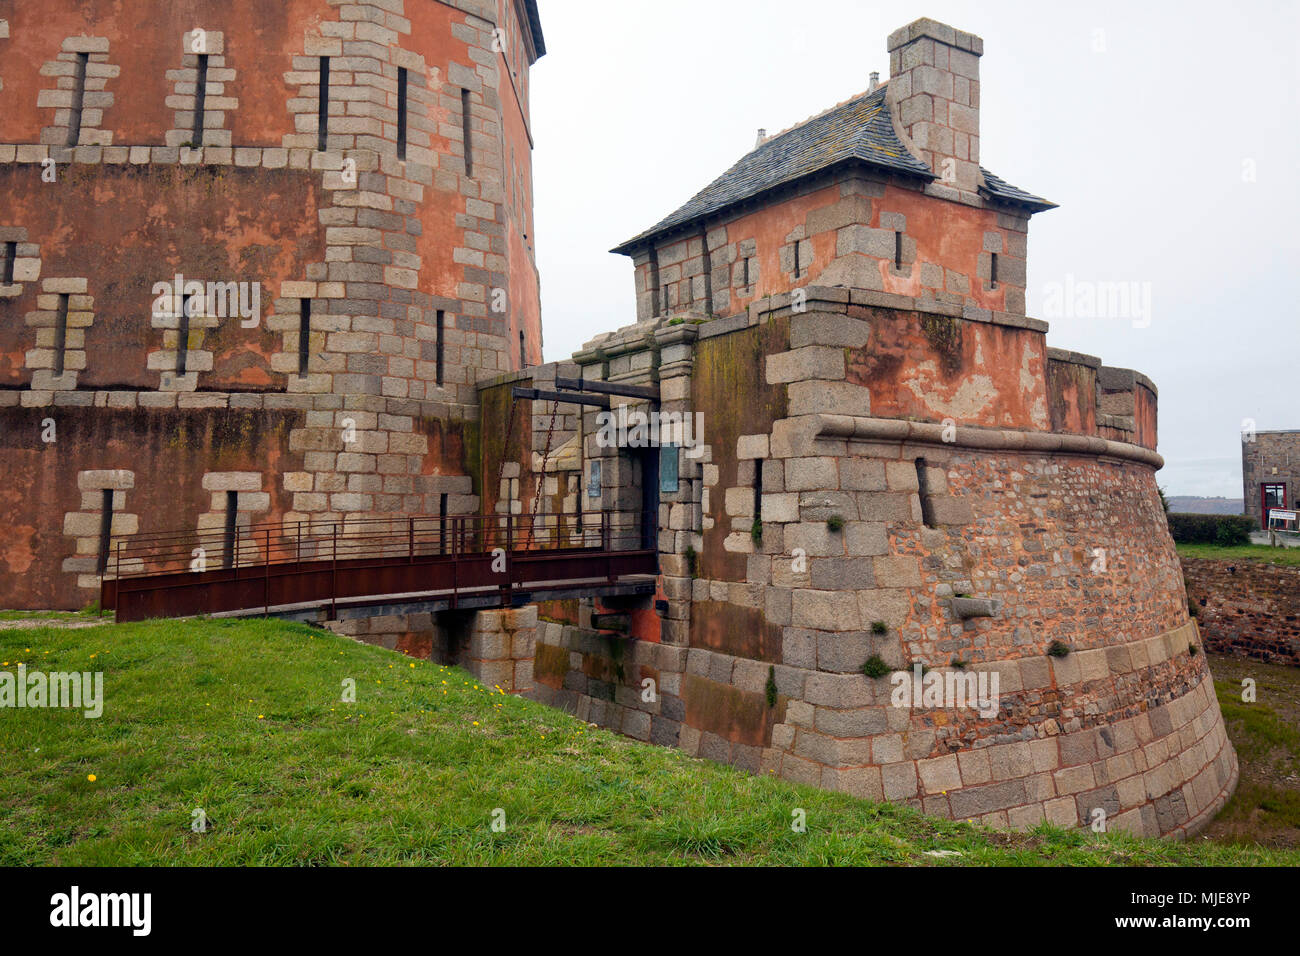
535, 28
857, 130
997, 188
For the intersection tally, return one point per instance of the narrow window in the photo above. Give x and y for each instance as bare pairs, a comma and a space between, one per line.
232, 515
797, 270
78, 98
11, 255
323, 107
927, 512
665, 292
401, 112
652, 280
442, 329
523, 351
898, 250
442, 523
993, 270
183, 336
745, 280
105, 531
200, 99
758, 489
465, 130
304, 334
60, 334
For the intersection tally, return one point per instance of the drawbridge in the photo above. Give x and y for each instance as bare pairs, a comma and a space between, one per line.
308, 570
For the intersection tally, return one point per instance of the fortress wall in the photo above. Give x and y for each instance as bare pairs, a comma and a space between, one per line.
165, 467
1246, 608
414, 275
1008, 537
1162, 771
120, 229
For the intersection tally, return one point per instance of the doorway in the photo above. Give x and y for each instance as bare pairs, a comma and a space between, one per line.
1272, 495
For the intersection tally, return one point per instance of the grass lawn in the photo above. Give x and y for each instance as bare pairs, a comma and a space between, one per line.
1289, 557
87, 615
244, 720
1266, 733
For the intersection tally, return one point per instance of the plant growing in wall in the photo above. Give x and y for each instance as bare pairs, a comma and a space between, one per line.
1058, 649
691, 556
771, 686
835, 523
875, 666
756, 530
879, 627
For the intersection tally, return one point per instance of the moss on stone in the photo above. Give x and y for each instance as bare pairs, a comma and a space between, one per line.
944, 335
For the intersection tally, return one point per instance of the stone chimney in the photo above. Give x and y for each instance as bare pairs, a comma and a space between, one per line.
762, 138
934, 98
875, 81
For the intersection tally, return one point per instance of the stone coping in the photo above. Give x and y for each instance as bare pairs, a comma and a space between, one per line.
967, 436
1074, 358
267, 157
767, 306
273, 401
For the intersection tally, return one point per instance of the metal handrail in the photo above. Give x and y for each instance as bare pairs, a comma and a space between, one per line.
404, 536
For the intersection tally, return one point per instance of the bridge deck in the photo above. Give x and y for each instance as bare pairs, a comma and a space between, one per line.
352, 567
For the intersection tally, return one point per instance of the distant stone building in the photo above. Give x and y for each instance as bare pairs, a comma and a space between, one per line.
1270, 471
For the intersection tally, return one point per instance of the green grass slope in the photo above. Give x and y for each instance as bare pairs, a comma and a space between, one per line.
245, 721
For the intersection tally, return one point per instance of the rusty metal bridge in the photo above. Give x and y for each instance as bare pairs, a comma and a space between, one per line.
366, 566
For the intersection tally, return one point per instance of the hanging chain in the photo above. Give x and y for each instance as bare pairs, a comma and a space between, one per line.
541, 480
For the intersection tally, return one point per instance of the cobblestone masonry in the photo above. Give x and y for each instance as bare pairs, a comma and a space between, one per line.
1246, 608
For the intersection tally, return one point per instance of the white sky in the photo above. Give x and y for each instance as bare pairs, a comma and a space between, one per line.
640, 103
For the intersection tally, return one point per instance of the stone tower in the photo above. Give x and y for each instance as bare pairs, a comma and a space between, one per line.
254, 256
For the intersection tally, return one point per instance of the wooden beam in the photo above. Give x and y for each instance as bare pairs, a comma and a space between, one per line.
543, 395
650, 392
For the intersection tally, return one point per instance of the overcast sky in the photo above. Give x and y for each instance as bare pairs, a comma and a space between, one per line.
1167, 132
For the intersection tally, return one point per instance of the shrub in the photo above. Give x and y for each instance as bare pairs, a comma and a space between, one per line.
835, 523
1226, 530
875, 666
1058, 649
879, 627
756, 530
771, 686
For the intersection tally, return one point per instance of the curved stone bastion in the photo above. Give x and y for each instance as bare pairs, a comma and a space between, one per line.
894, 495
983, 533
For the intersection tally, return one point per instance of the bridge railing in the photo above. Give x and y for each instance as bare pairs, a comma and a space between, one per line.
294, 564
347, 539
